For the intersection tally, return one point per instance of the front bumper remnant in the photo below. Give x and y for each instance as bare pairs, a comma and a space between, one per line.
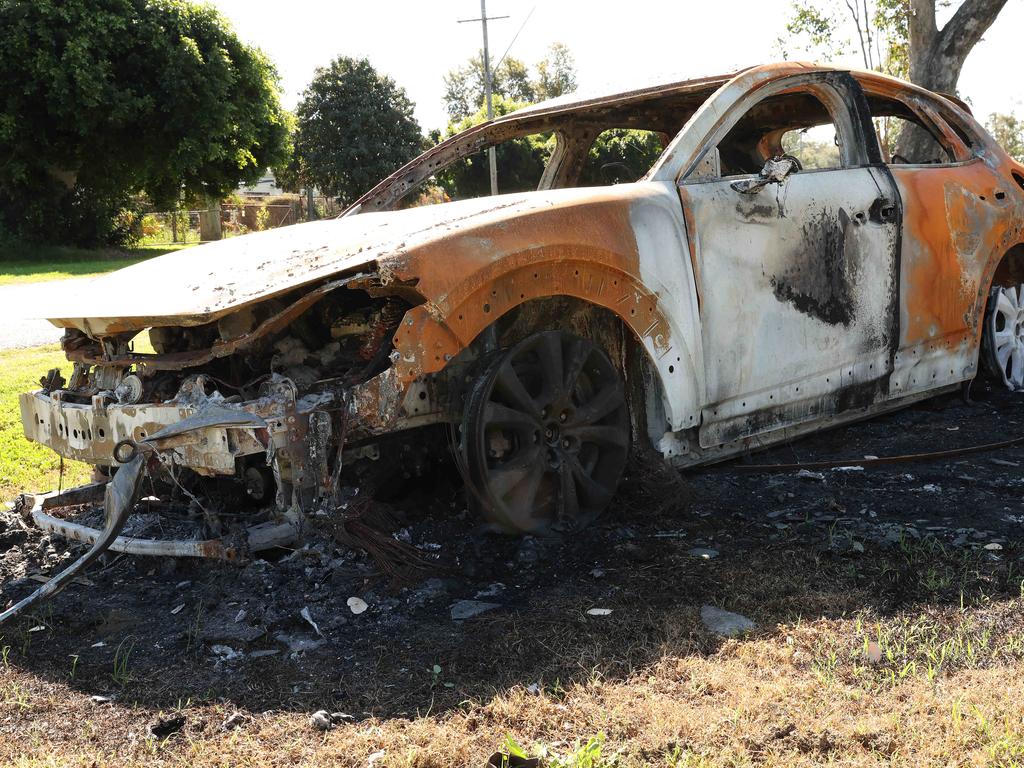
119, 499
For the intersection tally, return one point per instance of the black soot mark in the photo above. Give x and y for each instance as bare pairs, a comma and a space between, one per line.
818, 280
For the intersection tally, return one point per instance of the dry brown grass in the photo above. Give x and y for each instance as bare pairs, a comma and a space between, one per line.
947, 690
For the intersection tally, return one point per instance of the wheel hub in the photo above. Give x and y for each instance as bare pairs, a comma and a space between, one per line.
557, 406
1004, 335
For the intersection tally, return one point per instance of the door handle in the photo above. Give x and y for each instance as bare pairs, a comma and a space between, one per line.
883, 210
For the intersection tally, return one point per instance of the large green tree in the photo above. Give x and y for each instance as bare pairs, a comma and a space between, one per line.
354, 127
102, 99
900, 37
520, 161
464, 86
1008, 130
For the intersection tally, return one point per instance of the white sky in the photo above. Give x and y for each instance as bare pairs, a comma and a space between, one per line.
417, 41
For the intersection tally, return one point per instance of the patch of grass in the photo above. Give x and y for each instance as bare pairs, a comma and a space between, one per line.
34, 264
25, 465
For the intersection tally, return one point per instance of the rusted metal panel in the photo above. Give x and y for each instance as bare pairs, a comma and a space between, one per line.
621, 250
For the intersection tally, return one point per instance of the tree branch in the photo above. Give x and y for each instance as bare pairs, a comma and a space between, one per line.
964, 30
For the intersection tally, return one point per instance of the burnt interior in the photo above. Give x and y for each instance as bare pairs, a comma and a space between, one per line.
343, 336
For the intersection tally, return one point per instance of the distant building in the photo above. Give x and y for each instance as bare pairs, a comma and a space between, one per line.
265, 187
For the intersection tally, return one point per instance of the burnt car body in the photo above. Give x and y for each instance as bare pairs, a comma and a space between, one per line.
726, 300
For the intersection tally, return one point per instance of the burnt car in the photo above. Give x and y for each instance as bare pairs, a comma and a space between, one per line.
731, 296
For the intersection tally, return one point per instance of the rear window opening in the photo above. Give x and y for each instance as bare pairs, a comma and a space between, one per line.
621, 156
907, 138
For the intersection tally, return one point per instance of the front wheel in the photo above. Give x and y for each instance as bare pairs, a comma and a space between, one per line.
545, 434
1003, 335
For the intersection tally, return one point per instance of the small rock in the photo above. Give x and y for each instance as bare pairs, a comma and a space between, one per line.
357, 605
599, 612
492, 591
725, 622
806, 474
225, 652
167, 726
597, 573
529, 552
305, 614
467, 609
1004, 463
993, 546
704, 553
321, 720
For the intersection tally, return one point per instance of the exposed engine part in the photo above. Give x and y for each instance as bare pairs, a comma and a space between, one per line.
129, 390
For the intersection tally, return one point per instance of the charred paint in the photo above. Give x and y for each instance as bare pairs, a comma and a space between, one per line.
819, 281
955, 232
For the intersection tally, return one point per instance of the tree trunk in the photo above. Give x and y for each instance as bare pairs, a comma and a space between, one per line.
209, 221
937, 56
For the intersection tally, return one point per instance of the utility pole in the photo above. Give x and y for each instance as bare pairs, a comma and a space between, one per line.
484, 18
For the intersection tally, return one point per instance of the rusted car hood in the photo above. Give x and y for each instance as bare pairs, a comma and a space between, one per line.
200, 284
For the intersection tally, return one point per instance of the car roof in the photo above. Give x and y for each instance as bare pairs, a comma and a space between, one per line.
669, 87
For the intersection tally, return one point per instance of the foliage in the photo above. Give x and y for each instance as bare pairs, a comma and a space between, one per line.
1008, 130
464, 86
354, 127
556, 73
25, 465
120, 96
520, 161
811, 152
825, 31
620, 155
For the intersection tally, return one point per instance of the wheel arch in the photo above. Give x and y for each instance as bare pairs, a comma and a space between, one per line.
1009, 269
433, 334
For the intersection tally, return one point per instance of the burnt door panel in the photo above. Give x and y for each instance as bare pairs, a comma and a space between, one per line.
799, 286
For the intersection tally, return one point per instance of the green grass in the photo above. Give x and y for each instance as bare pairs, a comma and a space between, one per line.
25, 465
20, 263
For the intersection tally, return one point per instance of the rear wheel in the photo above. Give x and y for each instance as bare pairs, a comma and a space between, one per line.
1003, 335
545, 434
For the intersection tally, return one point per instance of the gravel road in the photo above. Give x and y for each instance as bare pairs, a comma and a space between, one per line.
20, 306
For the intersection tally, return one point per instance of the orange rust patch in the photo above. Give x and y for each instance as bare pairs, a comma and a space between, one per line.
955, 231
585, 250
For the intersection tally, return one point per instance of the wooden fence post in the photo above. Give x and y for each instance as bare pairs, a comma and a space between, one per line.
209, 221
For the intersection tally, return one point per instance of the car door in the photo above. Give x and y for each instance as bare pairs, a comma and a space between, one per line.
797, 280
955, 226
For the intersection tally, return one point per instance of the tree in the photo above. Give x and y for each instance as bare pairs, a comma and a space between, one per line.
899, 37
520, 161
938, 55
621, 155
1008, 130
107, 99
464, 86
355, 126
556, 73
